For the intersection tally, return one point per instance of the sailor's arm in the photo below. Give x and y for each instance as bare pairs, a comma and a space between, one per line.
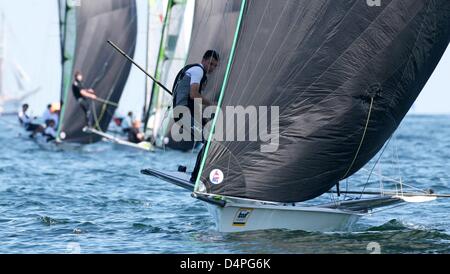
88, 93
195, 94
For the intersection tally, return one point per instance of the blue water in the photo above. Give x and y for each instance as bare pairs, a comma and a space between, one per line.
94, 200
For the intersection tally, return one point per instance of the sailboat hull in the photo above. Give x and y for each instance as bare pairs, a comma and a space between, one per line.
241, 218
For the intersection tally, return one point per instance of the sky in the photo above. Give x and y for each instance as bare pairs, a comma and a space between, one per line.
33, 43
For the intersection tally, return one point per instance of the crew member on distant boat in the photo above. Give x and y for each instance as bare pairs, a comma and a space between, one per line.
50, 130
83, 96
46, 116
53, 114
26, 121
135, 135
188, 86
127, 122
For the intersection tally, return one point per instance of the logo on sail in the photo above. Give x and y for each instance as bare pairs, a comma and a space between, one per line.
242, 217
216, 177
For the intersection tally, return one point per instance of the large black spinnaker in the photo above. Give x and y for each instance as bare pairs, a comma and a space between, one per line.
343, 74
105, 71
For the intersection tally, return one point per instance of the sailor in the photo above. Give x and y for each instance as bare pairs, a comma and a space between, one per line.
55, 110
188, 86
46, 116
26, 121
127, 122
192, 79
50, 130
82, 95
134, 134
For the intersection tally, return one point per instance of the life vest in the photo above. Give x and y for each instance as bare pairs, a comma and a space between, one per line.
182, 87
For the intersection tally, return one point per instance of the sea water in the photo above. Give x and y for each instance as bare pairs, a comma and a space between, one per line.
93, 199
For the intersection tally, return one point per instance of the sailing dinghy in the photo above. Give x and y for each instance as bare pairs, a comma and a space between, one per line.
342, 74
144, 146
84, 31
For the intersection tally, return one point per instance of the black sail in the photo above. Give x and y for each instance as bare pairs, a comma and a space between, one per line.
343, 74
104, 70
214, 27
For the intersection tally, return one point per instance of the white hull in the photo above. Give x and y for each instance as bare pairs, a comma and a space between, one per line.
144, 146
241, 217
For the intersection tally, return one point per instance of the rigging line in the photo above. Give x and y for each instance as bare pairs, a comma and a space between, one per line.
374, 166
385, 209
362, 139
227, 76
105, 106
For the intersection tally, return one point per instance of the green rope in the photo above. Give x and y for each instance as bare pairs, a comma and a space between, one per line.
222, 92
362, 140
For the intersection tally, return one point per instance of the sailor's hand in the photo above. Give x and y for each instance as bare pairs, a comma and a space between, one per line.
91, 96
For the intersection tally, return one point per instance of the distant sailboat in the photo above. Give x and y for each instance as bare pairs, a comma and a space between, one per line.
173, 51
11, 101
84, 31
343, 74
115, 134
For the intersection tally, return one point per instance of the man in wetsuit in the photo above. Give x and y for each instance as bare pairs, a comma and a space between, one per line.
83, 97
135, 135
188, 87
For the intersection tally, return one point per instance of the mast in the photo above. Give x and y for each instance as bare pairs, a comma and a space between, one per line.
62, 4
161, 57
68, 36
176, 48
147, 93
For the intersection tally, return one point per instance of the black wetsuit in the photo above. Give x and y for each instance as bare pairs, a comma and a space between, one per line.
181, 87
133, 136
85, 103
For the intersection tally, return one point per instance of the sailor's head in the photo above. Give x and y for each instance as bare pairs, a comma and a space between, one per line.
78, 76
210, 61
25, 107
51, 123
136, 124
130, 114
49, 106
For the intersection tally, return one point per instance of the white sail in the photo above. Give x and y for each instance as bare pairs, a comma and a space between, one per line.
176, 47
